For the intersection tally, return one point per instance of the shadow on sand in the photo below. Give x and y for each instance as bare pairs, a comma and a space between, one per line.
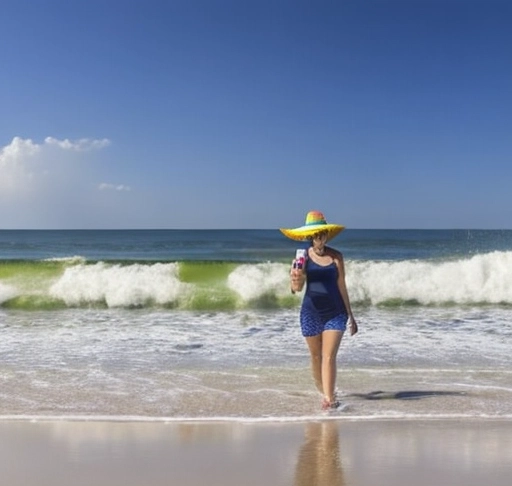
406, 395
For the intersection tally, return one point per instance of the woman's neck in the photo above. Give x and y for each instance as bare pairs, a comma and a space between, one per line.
319, 251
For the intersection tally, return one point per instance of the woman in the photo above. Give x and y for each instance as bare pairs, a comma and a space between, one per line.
326, 306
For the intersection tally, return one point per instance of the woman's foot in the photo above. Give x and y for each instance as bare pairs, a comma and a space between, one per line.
330, 404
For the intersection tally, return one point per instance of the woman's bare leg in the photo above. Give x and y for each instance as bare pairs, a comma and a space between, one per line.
330, 344
315, 349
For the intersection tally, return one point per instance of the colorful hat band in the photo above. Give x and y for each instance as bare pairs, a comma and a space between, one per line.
315, 217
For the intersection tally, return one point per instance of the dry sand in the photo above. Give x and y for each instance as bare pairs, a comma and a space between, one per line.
316, 453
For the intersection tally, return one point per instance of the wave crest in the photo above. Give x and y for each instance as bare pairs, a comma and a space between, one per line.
7, 293
252, 282
119, 286
483, 278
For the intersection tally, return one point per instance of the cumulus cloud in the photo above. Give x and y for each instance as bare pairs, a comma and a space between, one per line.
18, 164
25, 164
54, 183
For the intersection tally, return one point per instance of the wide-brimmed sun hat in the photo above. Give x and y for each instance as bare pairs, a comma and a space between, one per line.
315, 223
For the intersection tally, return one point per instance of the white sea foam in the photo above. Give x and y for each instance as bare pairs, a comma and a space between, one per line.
159, 362
482, 278
254, 281
349, 417
76, 259
119, 286
485, 278
7, 292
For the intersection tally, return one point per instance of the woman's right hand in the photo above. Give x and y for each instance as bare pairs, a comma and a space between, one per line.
297, 278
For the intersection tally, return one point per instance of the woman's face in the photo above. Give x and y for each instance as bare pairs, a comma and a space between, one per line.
319, 239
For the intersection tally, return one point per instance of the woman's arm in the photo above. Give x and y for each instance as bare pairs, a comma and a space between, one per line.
338, 260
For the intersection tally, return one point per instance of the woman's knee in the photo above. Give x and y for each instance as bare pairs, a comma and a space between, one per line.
328, 358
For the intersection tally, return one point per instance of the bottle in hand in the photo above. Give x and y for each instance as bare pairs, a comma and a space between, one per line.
300, 259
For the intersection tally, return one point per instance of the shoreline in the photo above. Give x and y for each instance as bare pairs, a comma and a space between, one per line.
324, 452
321, 417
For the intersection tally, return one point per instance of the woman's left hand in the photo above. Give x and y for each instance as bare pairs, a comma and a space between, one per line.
353, 326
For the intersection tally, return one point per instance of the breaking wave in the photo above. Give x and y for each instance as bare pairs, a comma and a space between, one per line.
480, 280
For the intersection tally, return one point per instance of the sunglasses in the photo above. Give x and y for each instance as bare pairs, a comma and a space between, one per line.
319, 236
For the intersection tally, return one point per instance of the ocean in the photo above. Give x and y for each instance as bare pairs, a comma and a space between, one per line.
171, 325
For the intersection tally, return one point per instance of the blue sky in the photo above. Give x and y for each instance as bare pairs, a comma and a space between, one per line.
247, 114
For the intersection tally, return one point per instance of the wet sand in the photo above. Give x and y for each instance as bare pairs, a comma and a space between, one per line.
329, 452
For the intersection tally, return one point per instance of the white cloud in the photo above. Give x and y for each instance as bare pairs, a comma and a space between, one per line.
24, 164
105, 186
17, 164
81, 145
52, 183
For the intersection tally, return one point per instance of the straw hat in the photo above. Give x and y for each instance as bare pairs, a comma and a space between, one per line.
315, 222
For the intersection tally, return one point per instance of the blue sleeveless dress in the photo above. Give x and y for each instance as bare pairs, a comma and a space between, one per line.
322, 307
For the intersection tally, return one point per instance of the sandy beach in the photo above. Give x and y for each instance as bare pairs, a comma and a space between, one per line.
324, 452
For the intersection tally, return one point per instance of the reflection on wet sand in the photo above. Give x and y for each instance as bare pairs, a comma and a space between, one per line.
382, 452
319, 461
